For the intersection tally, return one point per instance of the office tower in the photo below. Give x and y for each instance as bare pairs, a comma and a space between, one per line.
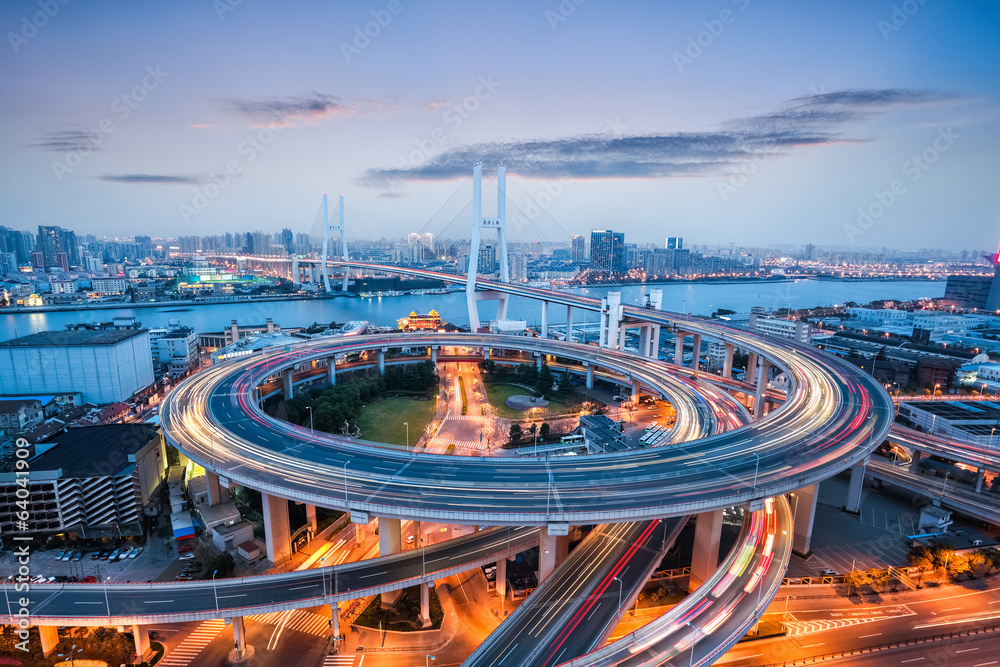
578, 249
49, 244
487, 259
607, 252
518, 267
675, 243
286, 240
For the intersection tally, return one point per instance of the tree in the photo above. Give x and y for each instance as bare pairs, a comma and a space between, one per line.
921, 557
977, 561
544, 430
515, 433
224, 563
878, 579
958, 565
855, 580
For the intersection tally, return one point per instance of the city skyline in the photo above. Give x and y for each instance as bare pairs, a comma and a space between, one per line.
660, 135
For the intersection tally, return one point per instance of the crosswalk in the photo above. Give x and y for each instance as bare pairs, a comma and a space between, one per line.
193, 644
339, 660
807, 627
301, 620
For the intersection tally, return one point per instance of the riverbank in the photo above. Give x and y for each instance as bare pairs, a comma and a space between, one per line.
182, 305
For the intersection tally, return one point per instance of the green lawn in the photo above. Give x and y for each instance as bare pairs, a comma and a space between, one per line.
382, 421
499, 393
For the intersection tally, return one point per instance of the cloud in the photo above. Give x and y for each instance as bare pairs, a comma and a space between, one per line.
804, 121
159, 179
309, 107
68, 139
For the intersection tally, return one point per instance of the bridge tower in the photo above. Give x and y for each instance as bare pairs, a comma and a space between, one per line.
478, 224
333, 227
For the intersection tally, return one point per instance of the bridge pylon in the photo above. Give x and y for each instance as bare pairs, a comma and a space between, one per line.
333, 227
478, 224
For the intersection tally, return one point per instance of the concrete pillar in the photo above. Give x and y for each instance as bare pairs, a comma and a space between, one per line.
390, 541
311, 517
486, 353
679, 348
705, 557
855, 488
980, 472
331, 371
804, 508
545, 319
49, 635
727, 365
239, 637
644, 340
751, 368
915, 462
359, 533
416, 535
381, 361
140, 633
758, 400
213, 488
654, 343
335, 620
286, 381
547, 553
696, 351
425, 605
276, 528
590, 377
569, 323
502, 577
635, 390
538, 361
434, 354
621, 338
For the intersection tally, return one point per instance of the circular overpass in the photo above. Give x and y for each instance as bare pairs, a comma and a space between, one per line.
833, 416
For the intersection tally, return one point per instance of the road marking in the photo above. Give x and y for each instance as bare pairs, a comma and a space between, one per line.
365, 576
867, 636
983, 664
299, 588
156, 601
193, 644
966, 650
903, 662
950, 609
98, 602
235, 595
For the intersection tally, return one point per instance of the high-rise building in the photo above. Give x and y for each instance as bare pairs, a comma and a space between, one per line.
67, 240
487, 259
49, 244
578, 249
674, 243
607, 252
286, 240
982, 292
518, 267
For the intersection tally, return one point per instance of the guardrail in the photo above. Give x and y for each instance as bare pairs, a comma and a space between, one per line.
876, 648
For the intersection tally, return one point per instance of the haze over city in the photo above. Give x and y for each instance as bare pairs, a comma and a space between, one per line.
772, 124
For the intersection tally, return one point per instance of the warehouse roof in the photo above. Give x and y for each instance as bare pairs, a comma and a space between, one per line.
82, 337
94, 451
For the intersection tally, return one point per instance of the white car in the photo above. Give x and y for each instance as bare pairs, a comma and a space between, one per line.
135, 552
187, 556
124, 553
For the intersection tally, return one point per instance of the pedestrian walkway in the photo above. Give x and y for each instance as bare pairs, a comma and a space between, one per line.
339, 660
193, 644
301, 620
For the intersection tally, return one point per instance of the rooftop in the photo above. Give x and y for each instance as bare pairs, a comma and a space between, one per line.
84, 338
94, 451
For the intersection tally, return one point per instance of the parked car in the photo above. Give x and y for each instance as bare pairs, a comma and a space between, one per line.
77, 555
135, 552
59, 556
123, 554
90, 579
184, 576
187, 556
184, 548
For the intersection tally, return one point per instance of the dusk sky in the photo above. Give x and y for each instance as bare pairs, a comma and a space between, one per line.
760, 123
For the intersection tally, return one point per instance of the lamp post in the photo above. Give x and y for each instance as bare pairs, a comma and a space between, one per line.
215, 590
407, 425
322, 572
309, 408
427, 660
106, 600
944, 484
694, 635
345, 482
756, 470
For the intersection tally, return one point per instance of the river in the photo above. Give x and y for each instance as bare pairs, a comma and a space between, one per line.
696, 298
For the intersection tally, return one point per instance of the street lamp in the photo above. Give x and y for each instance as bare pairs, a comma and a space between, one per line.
694, 635
407, 425
106, 601
215, 590
755, 471
621, 585
944, 485
345, 482
427, 660
309, 408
